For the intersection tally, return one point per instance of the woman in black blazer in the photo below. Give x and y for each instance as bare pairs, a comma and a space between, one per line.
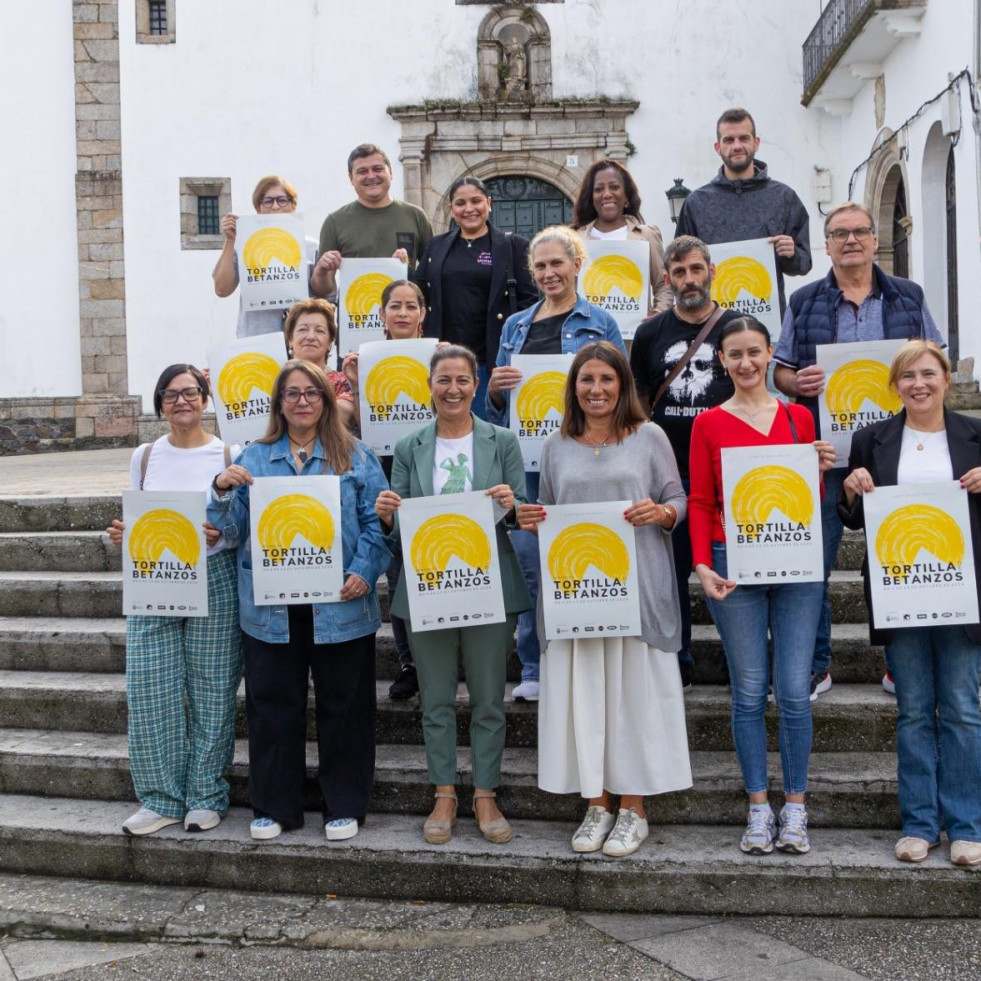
474, 277
937, 669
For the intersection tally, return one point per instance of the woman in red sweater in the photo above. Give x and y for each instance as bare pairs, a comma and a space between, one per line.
743, 614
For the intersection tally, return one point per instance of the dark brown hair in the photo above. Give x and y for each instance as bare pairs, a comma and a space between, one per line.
584, 211
169, 374
363, 150
627, 415
735, 115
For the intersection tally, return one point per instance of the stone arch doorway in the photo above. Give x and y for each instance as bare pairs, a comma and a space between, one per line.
886, 198
525, 205
939, 234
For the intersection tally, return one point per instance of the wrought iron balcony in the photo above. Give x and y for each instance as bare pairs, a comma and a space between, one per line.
873, 27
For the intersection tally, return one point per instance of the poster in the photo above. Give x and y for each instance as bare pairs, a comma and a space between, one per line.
393, 381
772, 514
616, 277
272, 265
589, 572
360, 283
452, 573
746, 281
243, 373
856, 391
538, 403
297, 553
165, 564
921, 559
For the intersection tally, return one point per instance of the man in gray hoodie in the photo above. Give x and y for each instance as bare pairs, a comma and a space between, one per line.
744, 202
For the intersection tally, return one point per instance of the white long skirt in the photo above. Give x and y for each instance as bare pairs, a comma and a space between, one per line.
611, 716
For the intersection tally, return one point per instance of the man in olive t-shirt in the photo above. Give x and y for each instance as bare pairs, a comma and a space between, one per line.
371, 226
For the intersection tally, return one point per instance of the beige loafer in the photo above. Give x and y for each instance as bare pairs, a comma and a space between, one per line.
965, 853
438, 831
912, 849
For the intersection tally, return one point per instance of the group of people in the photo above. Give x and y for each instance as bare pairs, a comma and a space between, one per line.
648, 427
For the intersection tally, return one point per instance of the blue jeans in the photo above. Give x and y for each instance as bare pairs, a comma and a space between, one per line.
938, 731
525, 545
791, 612
831, 528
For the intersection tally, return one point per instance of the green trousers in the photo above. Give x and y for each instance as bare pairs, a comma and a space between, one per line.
484, 651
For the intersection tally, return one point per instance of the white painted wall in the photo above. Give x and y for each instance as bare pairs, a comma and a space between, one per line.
39, 345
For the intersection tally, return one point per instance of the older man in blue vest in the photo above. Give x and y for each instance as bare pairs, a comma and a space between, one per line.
856, 301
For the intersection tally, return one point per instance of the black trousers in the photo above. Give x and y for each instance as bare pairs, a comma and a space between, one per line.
276, 687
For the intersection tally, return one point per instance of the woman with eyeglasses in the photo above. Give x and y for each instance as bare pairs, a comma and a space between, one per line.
182, 673
273, 195
334, 642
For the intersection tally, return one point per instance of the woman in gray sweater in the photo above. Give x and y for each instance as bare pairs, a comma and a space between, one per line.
611, 715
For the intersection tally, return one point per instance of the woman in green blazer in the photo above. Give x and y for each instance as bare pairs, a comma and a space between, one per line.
459, 452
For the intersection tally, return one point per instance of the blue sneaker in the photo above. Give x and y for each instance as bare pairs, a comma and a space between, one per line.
337, 829
264, 828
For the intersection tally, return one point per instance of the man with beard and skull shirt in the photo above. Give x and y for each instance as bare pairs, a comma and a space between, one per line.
659, 344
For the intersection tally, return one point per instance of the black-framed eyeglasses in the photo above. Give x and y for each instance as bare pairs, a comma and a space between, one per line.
281, 202
861, 233
170, 395
292, 395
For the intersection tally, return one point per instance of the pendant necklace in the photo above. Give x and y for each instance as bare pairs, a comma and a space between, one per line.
301, 451
599, 445
921, 438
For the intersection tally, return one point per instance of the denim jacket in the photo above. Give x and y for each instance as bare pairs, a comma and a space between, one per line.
365, 552
584, 325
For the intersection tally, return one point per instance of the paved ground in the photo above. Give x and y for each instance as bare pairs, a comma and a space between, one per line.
80, 474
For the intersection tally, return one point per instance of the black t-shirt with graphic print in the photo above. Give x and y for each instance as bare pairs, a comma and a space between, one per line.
657, 347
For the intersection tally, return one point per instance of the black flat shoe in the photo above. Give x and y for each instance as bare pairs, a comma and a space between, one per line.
405, 685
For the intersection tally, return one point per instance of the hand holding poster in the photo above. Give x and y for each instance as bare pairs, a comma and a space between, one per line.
772, 514
360, 283
746, 280
921, 558
538, 403
272, 266
243, 373
297, 552
452, 573
617, 278
393, 379
856, 390
589, 572
165, 566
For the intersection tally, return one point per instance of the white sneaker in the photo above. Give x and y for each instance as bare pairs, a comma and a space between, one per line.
627, 834
761, 830
145, 822
527, 691
888, 684
340, 829
591, 834
201, 819
262, 829
793, 831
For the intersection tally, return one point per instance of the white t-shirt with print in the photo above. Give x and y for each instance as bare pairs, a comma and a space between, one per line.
453, 465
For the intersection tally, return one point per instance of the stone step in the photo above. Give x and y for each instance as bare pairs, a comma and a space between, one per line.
679, 869
30, 514
845, 717
844, 789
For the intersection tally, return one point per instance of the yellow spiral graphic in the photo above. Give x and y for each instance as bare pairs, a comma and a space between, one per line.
444, 536
295, 514
763, 489
164, 529
395, 376
365, 294
268, 244
918, 526
740, 274
245, 372
587, 544
610, 272
540, 395
853, 383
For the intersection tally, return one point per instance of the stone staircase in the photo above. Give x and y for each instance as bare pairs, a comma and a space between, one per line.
65, 787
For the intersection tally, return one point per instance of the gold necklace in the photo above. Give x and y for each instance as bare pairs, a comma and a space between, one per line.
598, 444
921, 437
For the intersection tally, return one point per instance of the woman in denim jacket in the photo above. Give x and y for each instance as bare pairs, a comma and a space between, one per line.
561, 323
333, 642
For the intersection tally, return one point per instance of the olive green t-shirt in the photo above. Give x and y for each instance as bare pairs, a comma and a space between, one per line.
358, 232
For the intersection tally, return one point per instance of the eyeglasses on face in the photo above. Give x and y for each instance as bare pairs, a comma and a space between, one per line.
841, 234
170, 395
281, 202
292, 395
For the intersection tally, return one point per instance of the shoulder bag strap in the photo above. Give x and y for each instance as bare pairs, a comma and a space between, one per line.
145, 462
688, 355
790, 420
228, 456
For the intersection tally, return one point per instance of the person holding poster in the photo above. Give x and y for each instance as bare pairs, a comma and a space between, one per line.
178, 765
272, 195
561, 323
743, 614
607, 208
311, 332
334, 642
473, 277
936, 669
611, 720
460, 452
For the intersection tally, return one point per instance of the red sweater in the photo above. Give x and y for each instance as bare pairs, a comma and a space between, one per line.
713, 431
